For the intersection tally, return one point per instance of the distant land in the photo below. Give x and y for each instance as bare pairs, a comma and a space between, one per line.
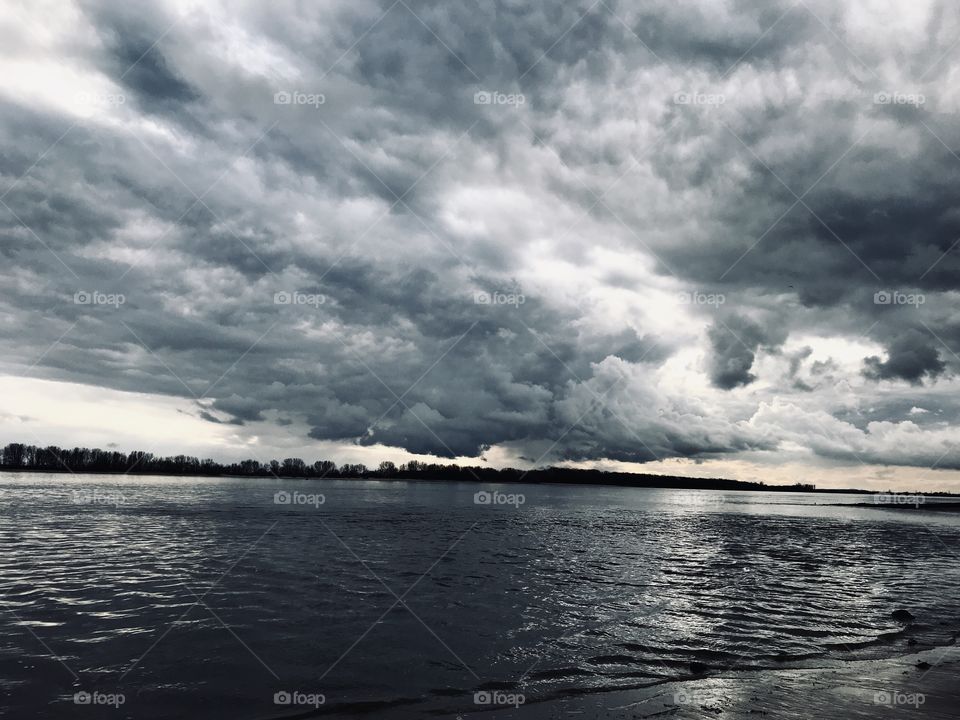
19, 457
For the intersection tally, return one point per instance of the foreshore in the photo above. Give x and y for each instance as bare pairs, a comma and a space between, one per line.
894, 687
916, 685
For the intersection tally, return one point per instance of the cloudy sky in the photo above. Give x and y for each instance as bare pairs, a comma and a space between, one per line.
717, 237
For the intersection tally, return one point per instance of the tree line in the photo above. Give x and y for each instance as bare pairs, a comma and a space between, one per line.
18, 456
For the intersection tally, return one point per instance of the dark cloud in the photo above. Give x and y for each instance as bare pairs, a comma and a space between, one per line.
698, 34
136, 57
402, 208
735, 342
911, 357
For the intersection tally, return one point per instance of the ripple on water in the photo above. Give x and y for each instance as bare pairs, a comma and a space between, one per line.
178, 598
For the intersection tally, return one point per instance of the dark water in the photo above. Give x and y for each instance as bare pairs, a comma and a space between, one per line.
204, 598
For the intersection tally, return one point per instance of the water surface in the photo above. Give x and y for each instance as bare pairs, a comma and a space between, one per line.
204, 597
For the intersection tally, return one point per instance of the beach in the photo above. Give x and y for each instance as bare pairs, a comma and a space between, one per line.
894, 687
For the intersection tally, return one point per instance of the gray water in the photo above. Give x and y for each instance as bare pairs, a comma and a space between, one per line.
204, 597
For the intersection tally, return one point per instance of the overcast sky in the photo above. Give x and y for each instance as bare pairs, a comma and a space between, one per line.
711, 237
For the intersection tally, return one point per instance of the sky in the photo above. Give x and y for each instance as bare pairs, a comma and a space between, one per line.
709, 238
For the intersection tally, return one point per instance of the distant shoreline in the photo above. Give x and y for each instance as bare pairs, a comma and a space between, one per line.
602, 479
20, 457
919, 506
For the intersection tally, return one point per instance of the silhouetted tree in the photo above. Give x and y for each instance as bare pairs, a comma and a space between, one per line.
13, 455
18, 456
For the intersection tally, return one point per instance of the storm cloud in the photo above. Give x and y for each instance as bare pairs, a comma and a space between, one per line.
570, 232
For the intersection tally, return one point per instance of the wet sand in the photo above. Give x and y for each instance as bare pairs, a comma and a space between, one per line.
861, 689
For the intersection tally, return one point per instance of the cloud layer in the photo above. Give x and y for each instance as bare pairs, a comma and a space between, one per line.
548, 232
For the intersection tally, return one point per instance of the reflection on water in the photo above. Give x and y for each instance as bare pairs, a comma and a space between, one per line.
196, 595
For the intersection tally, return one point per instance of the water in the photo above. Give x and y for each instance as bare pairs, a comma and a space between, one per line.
203, 597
